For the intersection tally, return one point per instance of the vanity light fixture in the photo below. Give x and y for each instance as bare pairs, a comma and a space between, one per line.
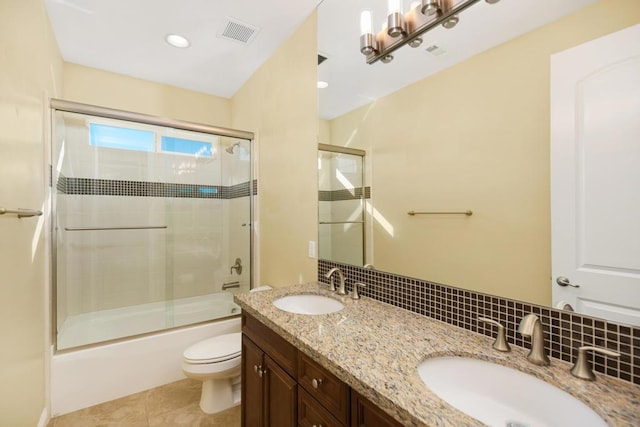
395, 19
178, 41
401, 29
451, 22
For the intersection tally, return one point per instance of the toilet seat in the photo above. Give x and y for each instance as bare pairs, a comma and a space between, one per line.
214, 350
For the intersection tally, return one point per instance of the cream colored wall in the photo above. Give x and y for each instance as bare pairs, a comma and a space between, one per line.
279, 104
324, 131
31, 70
475, 136
105, 89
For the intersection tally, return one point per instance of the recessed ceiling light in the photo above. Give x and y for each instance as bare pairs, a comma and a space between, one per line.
322, 85
177, 41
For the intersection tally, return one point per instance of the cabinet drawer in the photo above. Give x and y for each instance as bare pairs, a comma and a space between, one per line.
279, 349
324, 387
312, 414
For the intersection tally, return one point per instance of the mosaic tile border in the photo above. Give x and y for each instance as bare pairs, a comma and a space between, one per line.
111, 187
335, 195
565, 331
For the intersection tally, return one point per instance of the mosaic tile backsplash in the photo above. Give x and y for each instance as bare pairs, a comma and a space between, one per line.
565, 331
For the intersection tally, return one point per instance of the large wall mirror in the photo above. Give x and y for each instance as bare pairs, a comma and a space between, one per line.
464, 123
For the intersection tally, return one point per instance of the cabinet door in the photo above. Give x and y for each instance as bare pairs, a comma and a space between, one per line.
312, 414
281, 396
252, 384
366, 414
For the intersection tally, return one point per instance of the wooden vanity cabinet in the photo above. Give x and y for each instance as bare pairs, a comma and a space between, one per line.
269, 388
282, 387
366, 414
321, 385
252, 384
312, 414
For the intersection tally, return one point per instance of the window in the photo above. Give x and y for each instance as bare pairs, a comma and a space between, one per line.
124, 138
108, 133
186, 146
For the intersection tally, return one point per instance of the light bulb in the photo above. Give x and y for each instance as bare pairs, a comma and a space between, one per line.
176, 40
366, 26
394, 6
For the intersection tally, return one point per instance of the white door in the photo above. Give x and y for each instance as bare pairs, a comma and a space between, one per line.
595, 176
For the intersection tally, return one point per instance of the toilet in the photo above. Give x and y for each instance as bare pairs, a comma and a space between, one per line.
216, 362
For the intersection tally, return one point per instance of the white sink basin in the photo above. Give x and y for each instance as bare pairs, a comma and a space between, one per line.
308, 304
501, 396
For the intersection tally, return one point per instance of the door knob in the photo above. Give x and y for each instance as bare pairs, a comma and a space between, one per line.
564, 281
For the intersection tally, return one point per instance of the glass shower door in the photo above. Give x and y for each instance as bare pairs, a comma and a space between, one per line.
148, 221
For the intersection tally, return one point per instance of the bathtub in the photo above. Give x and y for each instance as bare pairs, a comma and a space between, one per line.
90, 376
105, 325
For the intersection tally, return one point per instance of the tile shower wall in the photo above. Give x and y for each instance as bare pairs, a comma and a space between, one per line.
565, 331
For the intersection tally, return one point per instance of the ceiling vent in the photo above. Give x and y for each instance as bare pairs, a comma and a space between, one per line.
238, 31
435, 50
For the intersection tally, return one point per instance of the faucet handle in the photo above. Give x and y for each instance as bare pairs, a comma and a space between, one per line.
582, 367
500, 343
355, 294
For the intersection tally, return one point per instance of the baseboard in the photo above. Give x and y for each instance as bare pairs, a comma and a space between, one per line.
44, 418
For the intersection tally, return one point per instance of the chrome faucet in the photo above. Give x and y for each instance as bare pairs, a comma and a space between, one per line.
332, 287
530, 326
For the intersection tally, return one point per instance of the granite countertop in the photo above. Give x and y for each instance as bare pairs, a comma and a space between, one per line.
375, 348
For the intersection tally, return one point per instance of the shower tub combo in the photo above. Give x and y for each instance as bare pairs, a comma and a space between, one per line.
148, 217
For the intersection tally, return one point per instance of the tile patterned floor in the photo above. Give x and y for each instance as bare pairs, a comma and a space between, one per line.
174, 404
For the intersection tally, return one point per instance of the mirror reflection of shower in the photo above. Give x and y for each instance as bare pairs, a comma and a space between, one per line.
341, 203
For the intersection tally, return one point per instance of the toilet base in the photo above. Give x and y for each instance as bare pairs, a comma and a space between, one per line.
216, 396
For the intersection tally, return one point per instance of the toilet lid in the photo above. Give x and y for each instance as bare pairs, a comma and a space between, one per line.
216, 349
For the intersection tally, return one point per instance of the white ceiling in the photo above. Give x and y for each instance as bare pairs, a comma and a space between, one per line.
127, 37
